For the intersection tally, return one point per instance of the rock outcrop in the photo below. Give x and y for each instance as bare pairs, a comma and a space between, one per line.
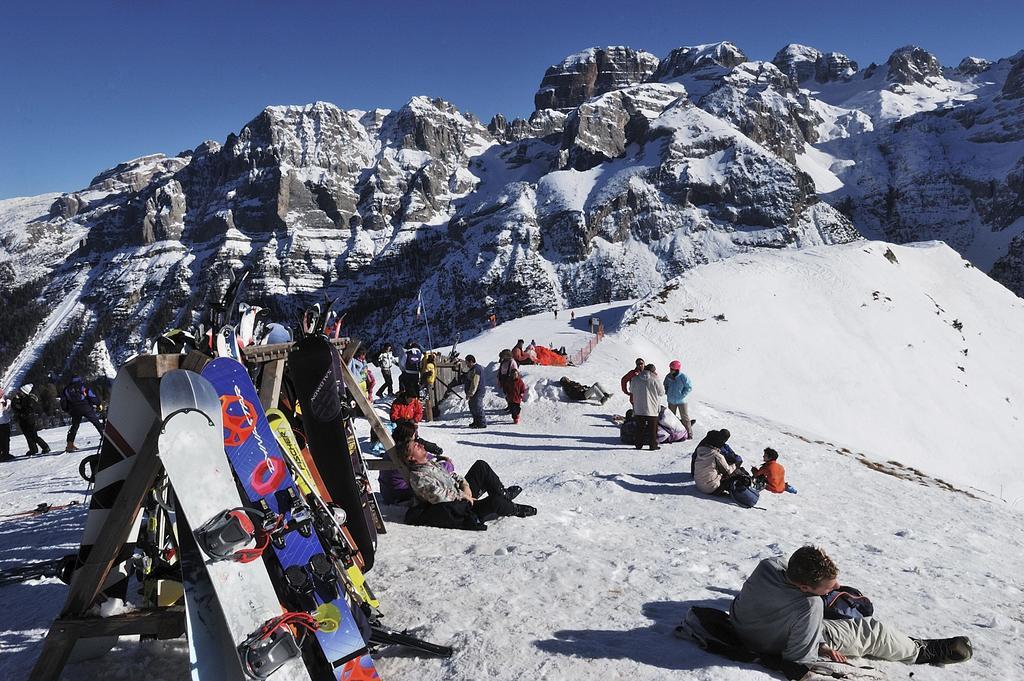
590, 73
912, 64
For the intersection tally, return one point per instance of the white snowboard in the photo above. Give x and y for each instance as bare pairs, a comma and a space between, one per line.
192, 450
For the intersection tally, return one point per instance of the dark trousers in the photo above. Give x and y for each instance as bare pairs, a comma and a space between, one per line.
515, 409
76, 420
410, 383
646, 431
35, 443
387, 385
482, 478
5, 440
476, 407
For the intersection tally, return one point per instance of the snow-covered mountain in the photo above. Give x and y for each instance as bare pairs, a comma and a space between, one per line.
632, 170
845, 359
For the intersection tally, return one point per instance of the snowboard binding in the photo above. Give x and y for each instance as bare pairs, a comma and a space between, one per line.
227, 536
272, 645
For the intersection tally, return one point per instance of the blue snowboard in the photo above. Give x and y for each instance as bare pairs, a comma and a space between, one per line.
260, 467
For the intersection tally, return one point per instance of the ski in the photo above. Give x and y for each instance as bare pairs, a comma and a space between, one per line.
327, 524
41, 509
355, 452
304, 573
37, 570
382, 636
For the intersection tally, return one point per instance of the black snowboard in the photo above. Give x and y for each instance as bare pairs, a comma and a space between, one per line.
315, 368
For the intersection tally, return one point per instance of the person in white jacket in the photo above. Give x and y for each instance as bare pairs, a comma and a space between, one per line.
5, 428
648, 396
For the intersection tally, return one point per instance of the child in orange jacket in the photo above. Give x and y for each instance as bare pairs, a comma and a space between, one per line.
772, 473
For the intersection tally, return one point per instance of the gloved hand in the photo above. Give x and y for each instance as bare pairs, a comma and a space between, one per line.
790, 488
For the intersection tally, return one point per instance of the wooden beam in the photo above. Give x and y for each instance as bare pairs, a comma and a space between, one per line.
270, 384
154, 366
259, 354
89, 578
382, 433
162, 623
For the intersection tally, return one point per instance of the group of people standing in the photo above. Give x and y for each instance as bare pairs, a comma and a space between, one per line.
648, 395
23, 407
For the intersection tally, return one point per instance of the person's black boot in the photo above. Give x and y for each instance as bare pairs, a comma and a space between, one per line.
523, 511
513, 491
944, 650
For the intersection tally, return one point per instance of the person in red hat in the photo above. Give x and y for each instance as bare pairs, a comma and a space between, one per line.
677, 387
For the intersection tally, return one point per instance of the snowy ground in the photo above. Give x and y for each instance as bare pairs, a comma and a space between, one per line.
592, 586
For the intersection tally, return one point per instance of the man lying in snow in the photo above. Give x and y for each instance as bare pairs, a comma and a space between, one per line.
450, 500
579, 392
393, 487
780, 611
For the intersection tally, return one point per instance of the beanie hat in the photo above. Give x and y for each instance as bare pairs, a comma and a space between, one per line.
675, 365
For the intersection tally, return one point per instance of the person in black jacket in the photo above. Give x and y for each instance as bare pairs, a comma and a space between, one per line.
25, 404
80, 401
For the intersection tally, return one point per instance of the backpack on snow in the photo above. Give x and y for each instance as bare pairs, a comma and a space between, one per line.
712, 630
847, 603
743, 491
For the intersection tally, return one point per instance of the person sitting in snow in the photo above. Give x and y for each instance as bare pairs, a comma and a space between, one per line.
406, 408
714, 464
394, 489
519, 354
780, 611
630, 375
771, 476
450, 500
578, 392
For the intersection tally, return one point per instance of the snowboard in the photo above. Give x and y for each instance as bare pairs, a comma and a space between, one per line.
192, 452
305, 575
133, 408
316, 373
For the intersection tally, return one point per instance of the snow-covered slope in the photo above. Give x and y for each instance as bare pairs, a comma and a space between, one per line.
592, 586
904, 353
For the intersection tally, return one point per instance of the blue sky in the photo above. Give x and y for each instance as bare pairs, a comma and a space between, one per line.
86, 84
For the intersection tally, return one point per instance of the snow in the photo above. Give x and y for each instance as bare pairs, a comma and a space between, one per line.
806, 361
818, 164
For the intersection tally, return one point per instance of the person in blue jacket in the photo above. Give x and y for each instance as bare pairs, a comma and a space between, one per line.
677, 387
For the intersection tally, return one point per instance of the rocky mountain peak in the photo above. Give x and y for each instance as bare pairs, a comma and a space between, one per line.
683, 60
972, 66
912, 64
833, 66
803, 63
592, 72
799, 62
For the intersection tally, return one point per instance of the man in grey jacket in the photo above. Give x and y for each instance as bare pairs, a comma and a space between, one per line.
647, 393
780, 611
473, 381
